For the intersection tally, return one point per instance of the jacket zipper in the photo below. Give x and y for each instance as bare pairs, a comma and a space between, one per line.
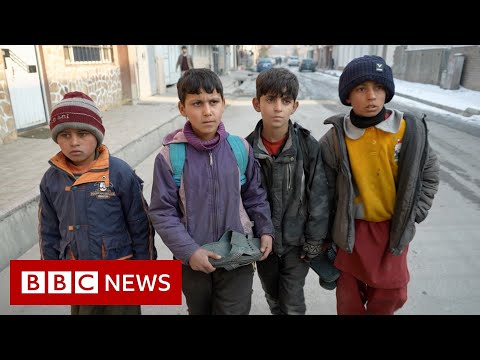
289, 176
210, 154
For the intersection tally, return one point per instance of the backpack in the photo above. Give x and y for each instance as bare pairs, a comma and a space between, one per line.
177, 157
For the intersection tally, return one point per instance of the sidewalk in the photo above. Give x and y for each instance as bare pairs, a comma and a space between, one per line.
24, 161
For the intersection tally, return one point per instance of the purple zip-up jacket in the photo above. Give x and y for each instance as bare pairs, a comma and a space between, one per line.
209, 201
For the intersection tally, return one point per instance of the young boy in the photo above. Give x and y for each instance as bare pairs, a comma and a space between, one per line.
293, 173
209, 200
91, 203
382, 177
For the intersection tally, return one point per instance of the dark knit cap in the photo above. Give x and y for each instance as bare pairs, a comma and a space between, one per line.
76, 111
366, 68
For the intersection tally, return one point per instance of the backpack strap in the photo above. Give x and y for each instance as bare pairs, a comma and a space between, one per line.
177, 159
238, 148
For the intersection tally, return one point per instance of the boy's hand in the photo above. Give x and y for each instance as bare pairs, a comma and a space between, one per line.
266, 246
199, 261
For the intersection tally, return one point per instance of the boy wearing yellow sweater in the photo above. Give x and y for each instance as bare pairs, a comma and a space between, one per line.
382, 177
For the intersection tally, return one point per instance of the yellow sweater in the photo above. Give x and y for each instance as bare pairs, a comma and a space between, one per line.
374, 164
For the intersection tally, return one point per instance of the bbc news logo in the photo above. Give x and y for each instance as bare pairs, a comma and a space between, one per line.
95, 282
59, 282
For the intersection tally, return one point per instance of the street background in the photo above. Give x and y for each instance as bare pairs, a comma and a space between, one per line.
442, 257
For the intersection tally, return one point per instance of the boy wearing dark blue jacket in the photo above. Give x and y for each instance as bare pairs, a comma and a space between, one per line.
91, 203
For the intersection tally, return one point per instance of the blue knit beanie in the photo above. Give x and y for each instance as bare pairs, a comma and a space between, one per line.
365, 68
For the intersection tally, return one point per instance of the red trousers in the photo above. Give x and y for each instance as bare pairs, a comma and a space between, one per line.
357, 298
372, 280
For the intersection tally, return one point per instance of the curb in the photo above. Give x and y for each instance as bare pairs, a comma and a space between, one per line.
426, 102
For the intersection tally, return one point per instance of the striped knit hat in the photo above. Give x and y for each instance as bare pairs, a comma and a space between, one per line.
76, 111
365, 68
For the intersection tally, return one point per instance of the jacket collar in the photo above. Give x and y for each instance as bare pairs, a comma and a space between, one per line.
259, 143
391, 125
98, 172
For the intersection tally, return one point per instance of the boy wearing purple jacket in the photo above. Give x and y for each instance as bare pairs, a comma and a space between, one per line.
209, 201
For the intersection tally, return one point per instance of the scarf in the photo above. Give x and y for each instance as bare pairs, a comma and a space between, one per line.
365, 122
203, 145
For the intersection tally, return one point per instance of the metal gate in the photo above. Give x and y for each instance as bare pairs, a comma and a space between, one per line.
146, 70
215, 58
171, 73
24, 86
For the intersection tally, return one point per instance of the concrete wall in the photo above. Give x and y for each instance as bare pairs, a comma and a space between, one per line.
8, 132
343, 54
425, 64
202, 56
420, 65
102, 82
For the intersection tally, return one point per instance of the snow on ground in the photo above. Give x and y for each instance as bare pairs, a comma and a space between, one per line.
460, 99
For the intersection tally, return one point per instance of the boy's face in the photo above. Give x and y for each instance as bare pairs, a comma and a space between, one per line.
77, 145
275, 110
367, 99
204, 111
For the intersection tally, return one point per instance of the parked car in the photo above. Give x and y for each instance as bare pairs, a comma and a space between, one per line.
293, 61
264, 64
307, 64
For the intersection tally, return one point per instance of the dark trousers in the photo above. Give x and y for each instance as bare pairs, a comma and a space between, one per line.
105, 310
221, 292
283, 279
357, 298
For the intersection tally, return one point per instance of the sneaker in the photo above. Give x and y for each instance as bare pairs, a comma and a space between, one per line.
327, 285
323, 266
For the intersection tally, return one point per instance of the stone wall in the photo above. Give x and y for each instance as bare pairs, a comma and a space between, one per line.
102, 82
8, 133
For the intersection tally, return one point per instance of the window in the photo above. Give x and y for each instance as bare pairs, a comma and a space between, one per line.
88, 54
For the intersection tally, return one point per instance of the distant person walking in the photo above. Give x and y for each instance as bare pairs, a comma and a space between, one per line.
184, 61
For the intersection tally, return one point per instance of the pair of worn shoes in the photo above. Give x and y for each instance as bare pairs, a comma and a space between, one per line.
322, 264
235, 250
